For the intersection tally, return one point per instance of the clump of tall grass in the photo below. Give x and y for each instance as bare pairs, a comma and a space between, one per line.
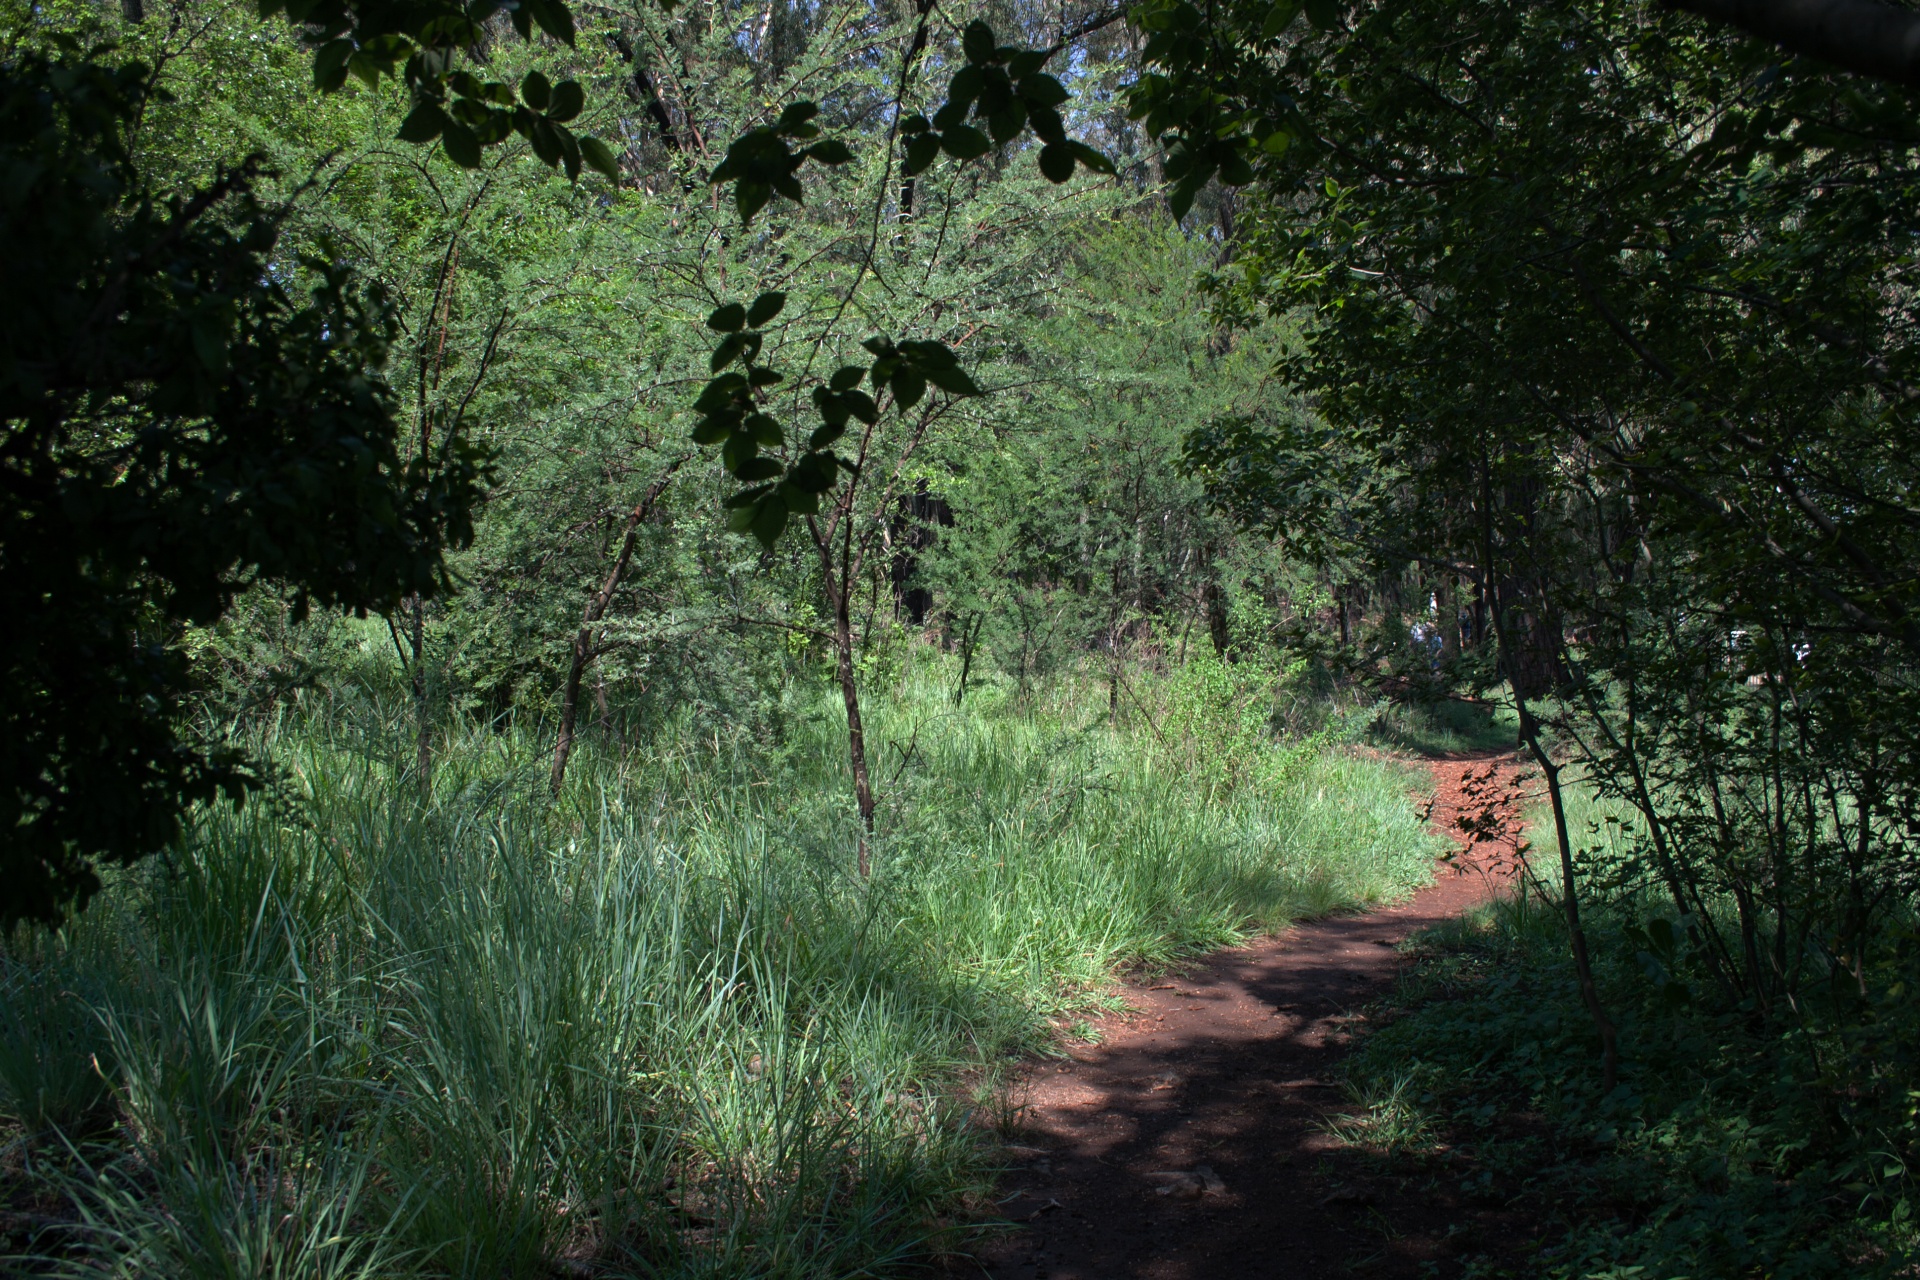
656, 1028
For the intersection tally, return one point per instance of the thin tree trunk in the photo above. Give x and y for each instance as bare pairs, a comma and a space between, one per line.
570, 706
442, 309
1219, 621
423, 740
840, 586
1570, 903
1518, 674
969, 638
586, 641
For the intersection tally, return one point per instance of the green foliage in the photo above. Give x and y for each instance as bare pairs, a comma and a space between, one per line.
189, 408
1640, 404
422, 45
1072, 526
658, 1030
1730, 1147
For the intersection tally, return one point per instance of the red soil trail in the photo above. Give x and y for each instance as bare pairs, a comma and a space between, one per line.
1189, 1143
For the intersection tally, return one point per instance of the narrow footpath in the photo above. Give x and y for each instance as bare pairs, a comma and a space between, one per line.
1189, 1143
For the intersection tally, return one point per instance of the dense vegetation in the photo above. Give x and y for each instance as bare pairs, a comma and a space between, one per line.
612, 605
659, 1025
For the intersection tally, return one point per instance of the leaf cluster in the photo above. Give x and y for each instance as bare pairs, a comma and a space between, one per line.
188, 410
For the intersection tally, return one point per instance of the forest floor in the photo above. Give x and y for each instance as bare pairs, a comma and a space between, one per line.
1192, 1142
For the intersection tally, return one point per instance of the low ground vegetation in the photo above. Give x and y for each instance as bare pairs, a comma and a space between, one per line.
1732, 1144
659, 1025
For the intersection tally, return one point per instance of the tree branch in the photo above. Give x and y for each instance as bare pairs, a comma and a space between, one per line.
1866, 37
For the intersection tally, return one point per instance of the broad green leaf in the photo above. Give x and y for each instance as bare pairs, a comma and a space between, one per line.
908, 386
1006, 123
765, 308
1043, 91
1279, 18
599, 157
330, 64
964, 142
728, 351
953, 381
461, 145
536, 91
921, 152
977, 42
747, 497
765, 429
796, 114
1091, 158
423, 123
569, 99
769, 521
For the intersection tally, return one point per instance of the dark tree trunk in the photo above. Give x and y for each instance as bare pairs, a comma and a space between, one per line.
1529, 671
586, 641
1219, 620
423, 714
1863, 36
1570, 904
839, 582
969, 637
913, 529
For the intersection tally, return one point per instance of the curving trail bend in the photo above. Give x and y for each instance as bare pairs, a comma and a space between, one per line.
1188, 1144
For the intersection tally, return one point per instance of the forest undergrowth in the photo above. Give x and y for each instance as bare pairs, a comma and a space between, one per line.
1732, 1145
658, 1027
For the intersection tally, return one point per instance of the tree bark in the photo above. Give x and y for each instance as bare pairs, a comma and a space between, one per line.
586, 641
1862, 36
1219, 621
1519, 668
423, 738
839, 586
969, 636
1570, 903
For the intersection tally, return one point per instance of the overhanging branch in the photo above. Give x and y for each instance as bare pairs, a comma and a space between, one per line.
1867, 37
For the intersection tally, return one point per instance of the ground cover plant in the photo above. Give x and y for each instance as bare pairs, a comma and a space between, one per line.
727, 584
1730, 1146
660, 1026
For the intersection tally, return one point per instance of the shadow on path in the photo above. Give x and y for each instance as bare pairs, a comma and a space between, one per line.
1189, 1144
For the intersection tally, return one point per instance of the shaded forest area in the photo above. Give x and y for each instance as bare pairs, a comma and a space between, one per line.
613, 611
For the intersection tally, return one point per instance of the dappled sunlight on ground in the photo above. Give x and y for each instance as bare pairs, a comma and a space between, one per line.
1190, 1143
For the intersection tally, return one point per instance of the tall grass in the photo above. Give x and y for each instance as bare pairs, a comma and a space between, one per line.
657, 1028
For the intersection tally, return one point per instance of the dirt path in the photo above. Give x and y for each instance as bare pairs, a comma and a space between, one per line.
1188, 1144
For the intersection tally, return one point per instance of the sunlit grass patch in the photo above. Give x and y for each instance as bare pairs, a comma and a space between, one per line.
660, 1027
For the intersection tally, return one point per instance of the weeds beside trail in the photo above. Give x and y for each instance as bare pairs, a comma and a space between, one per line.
1732, 1147
659, 1027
